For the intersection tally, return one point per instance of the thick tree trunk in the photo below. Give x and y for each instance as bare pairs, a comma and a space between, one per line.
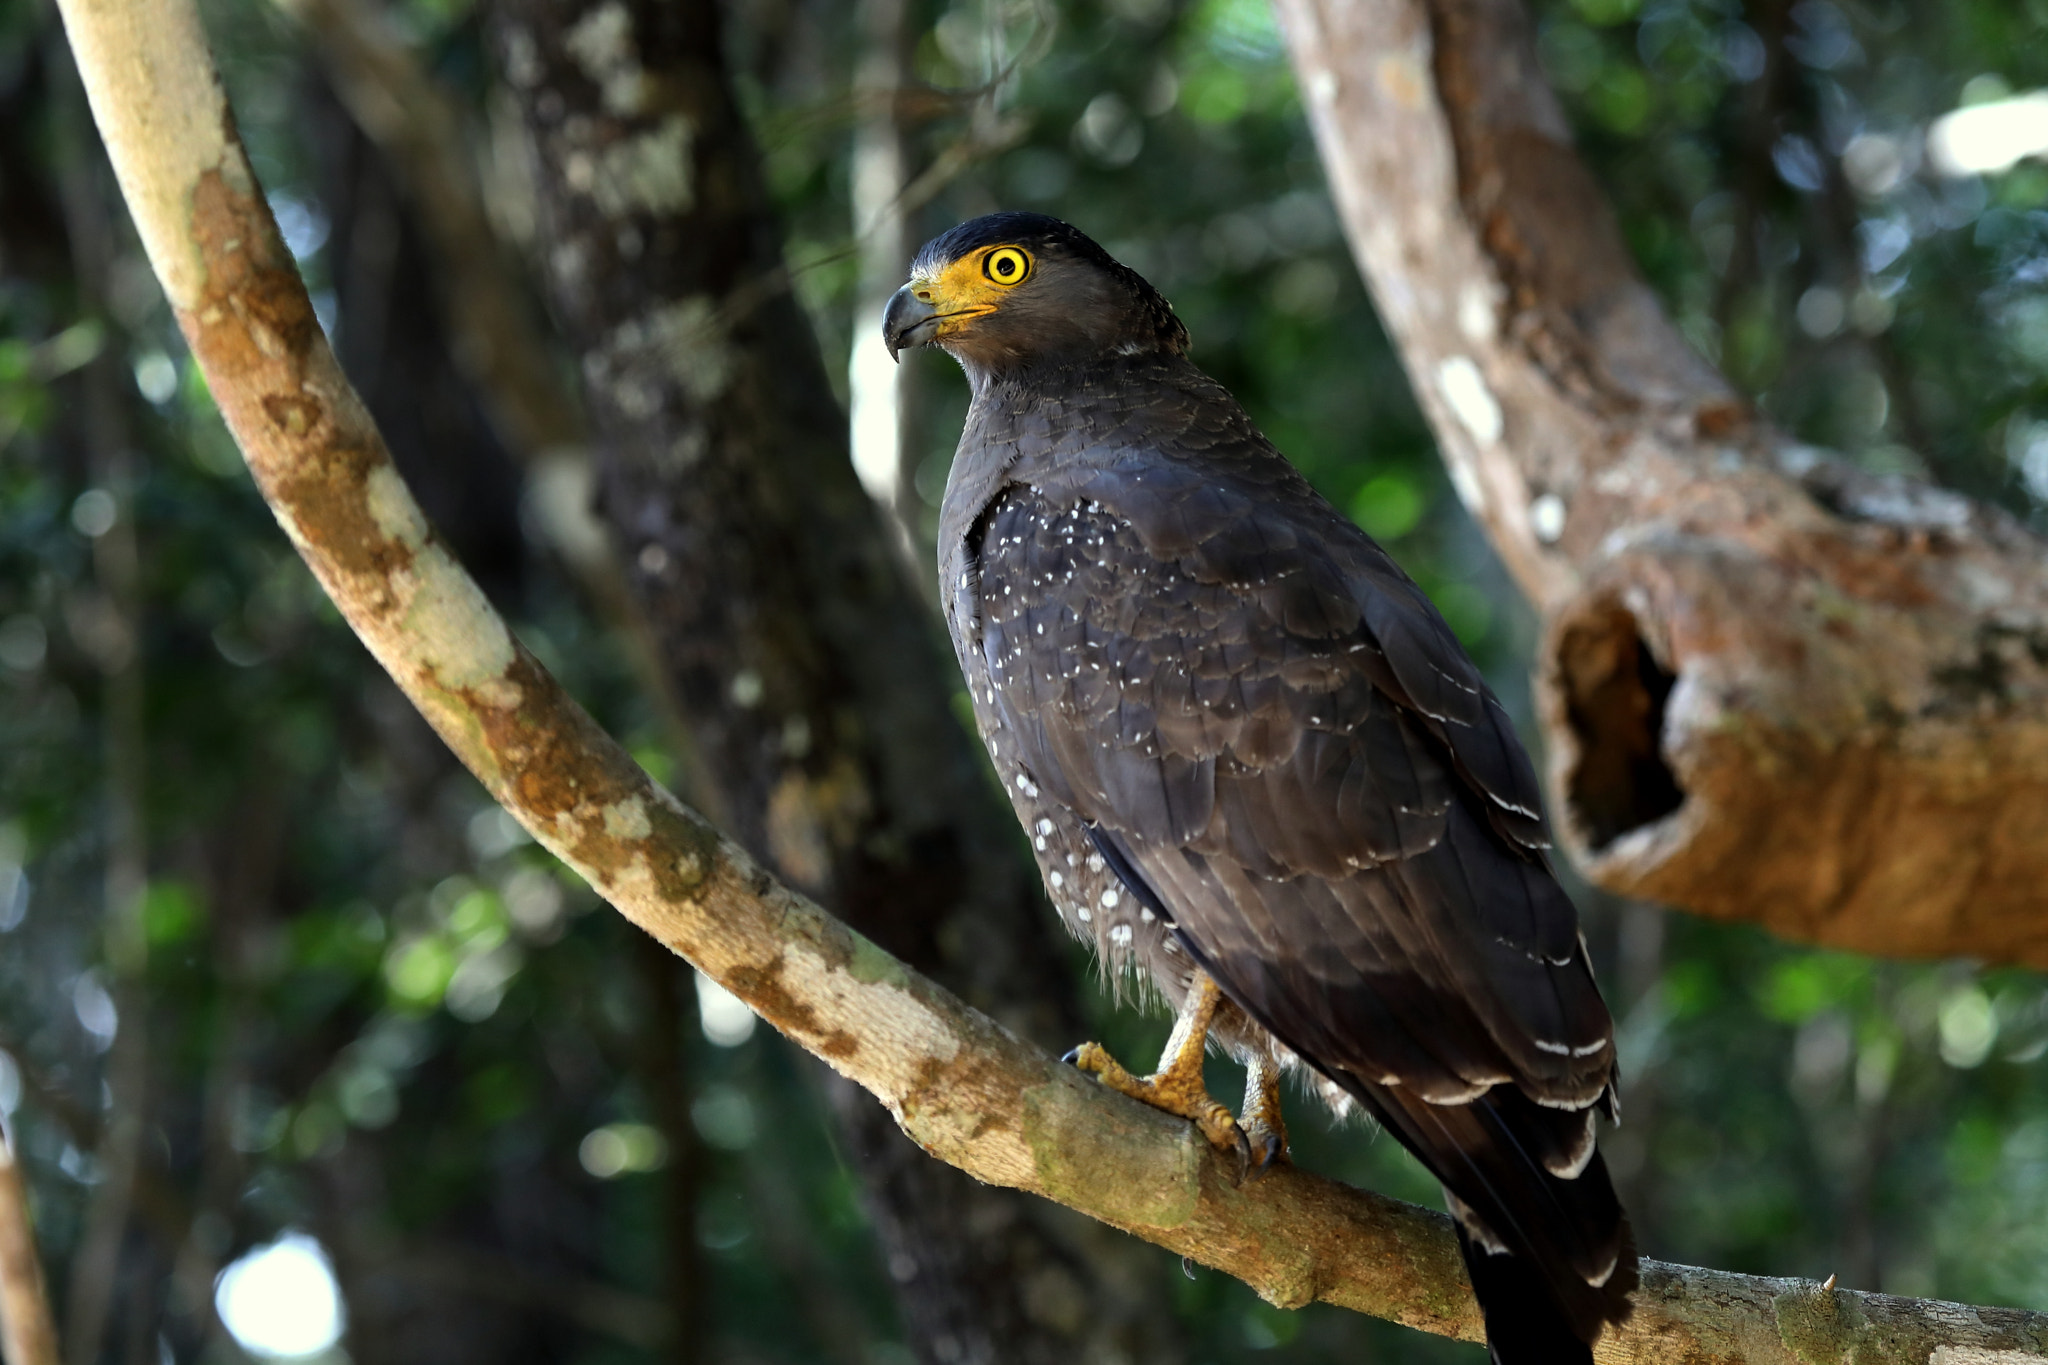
1774, 688
804, 666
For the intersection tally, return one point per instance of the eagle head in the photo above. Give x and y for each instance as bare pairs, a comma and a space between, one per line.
1011, 290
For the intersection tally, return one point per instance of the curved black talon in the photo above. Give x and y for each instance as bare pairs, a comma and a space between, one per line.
1073, 1055
1271, 1152
1244, 1156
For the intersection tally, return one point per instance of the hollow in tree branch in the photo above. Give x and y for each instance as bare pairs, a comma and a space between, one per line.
964, 1088
1775, 688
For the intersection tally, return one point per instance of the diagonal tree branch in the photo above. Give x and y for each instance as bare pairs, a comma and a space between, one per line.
1775, 688
967, 1090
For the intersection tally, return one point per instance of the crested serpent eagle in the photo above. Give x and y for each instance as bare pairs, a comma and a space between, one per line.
1258, 768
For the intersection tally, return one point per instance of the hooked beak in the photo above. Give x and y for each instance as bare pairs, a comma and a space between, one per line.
910, 321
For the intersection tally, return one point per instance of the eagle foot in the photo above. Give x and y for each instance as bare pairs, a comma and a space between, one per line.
1178, 1091
1177, 1086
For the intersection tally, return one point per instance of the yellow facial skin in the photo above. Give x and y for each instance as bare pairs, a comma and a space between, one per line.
973, 286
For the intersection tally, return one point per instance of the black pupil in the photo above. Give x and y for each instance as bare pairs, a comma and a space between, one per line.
1005, 266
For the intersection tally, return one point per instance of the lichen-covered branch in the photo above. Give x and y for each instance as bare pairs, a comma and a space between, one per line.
967, 1090
1775, 688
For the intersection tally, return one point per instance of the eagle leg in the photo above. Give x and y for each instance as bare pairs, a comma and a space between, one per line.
1261, 1121
1177, 1086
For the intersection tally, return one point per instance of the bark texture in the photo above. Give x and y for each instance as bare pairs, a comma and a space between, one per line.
803, 665
1774, 688
963, 1087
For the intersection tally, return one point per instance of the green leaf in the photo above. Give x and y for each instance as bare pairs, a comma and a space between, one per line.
171, 913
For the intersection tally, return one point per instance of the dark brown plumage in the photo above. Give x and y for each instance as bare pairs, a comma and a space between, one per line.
1243, 742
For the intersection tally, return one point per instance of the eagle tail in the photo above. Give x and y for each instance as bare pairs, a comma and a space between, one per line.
1550, 1255
1524, 1324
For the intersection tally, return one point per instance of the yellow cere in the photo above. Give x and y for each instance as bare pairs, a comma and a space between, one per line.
974, 285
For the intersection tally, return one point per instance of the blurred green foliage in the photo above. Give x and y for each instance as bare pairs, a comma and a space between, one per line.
375, 1011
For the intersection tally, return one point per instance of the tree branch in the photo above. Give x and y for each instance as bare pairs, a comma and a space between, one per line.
966, 1089
1775, 688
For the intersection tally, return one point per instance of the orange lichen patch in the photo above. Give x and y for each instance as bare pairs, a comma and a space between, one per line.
761, 987
252, 330
546, 742
837, 1045
937, 1082
248, 268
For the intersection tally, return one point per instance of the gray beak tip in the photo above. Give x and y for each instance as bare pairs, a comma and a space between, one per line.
908, 321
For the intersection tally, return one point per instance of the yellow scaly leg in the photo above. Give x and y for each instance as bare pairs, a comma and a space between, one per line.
1177, 1086
1263, 1125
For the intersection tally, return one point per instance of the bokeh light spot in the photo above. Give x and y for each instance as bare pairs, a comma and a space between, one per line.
281, 1301
725, 1018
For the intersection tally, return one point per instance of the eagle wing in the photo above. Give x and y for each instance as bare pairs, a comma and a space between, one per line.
1245, 737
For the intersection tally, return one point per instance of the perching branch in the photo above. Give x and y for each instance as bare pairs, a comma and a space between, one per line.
1775, 688
967, 1090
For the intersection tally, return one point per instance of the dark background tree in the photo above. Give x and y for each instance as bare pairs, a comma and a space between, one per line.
371, 1011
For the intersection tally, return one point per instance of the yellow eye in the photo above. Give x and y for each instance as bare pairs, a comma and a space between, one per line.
1007, 265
